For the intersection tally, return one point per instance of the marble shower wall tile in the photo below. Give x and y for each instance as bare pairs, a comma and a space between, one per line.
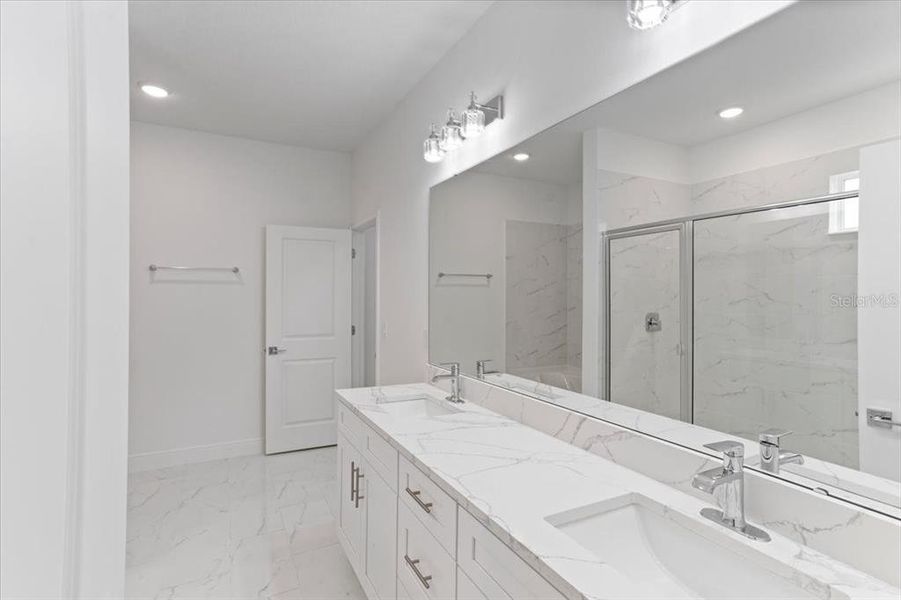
574, 297
543, 296
535, 295
625, 200
770, 347
805, 178
857, 537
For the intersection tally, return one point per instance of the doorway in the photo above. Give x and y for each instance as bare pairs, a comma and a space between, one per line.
364, 330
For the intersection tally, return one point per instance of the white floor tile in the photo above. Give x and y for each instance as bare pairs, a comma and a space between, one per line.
243, 528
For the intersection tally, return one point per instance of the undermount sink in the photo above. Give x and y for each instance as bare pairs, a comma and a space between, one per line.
420, 407
667, 559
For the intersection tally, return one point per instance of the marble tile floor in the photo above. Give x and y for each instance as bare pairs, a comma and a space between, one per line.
242, 528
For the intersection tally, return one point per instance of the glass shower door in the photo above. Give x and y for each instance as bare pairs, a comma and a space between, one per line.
774, 344
647, 321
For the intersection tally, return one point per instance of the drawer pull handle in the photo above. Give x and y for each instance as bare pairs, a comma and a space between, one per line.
359, 497
423, 579
353, 479
426, 506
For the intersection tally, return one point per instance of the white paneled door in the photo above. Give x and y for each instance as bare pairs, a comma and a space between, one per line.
308, 300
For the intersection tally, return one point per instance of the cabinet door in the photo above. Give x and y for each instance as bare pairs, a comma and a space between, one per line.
350, 512
494, 568
380, 502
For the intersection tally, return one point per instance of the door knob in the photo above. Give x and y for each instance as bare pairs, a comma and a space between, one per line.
273, 350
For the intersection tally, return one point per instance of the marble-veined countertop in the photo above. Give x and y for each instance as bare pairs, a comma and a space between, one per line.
511, 477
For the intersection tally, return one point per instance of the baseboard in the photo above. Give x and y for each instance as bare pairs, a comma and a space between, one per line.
147, 461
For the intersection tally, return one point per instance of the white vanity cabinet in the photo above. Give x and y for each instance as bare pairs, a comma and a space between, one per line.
367, 505
349, 517
407, 538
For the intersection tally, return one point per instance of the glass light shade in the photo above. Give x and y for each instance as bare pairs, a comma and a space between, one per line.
473, 120
451, 134
431, 148
645, 14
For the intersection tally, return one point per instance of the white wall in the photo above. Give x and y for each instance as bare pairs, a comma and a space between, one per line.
551, 59
63, 298
879, 322
197, 343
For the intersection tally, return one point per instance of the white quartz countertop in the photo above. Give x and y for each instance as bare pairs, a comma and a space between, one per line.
511, 477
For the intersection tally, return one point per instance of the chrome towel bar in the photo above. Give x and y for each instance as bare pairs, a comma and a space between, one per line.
174, 268
485, 275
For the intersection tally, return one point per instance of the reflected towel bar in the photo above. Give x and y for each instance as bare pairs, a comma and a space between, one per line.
174, 268
485, 275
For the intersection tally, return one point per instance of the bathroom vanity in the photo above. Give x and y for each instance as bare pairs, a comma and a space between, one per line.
444, 500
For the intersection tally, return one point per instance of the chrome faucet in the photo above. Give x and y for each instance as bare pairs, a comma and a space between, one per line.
454, 377
480, 368
771, 456
727, 485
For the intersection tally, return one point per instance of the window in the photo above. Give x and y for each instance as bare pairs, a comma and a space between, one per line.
843, 214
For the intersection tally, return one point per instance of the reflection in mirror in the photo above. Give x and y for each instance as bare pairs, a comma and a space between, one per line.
524, 229
735, 275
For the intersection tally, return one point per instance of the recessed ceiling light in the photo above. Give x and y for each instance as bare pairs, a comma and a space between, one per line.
154, 91
731, 113
520, 156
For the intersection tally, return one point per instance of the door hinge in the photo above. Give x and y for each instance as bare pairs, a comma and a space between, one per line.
353, 330
353, 252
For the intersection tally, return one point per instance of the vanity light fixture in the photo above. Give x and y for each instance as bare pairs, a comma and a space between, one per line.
154, 91
521, 156
451, 133
455, 131
646, 14
431, 147
731, 112
475, 119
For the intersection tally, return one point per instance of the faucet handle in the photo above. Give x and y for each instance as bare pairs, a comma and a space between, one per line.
729, 448
772, 436
454, 367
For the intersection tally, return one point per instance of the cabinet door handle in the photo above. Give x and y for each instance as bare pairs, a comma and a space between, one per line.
426, 506
353, 480
423, 579
359, 497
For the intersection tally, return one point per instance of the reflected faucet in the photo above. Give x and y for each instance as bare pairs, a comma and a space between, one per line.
727, 485
771, 456
480, 368
454, 377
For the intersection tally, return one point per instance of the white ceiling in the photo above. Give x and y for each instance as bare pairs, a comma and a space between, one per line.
555, 156
805, 56
319, 74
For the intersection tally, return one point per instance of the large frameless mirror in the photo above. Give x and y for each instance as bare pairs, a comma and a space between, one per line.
704, 256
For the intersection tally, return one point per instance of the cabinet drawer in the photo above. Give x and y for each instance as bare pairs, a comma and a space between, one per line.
380, 455
495, 569
430, 504
426, 571
350, 425
466, 589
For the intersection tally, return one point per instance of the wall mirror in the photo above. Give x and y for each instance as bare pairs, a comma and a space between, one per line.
699, 257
